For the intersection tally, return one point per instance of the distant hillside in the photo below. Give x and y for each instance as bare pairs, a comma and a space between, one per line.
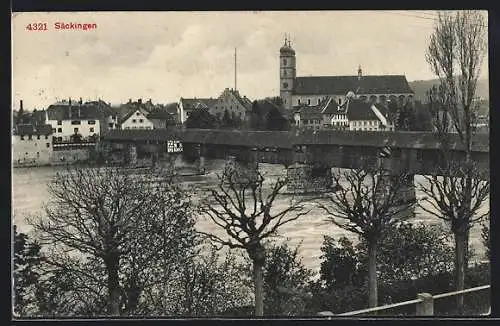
420, 87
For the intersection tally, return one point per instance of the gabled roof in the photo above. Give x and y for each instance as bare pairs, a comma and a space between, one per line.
362, 110
131, 111
309, 112
74, 112
323, 85
198, 103
29, 129
244, 101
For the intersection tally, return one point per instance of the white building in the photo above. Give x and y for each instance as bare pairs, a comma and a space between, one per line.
73, 119
136, 119
32, 145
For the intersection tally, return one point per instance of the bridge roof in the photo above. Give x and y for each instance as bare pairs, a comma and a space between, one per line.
408, 139
280, 139
286, 139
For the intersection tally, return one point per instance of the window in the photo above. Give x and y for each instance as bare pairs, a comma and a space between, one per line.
308, 101
91, 122
284, 72
59, 129
113, 117
59, 138
37, 154
75, 130
133, 120
137, 113
59, 122
110, 125
141, 121
38, 137
298, 101
53, 130
30, 137
22, 137
91, 129
284, 62
46, 137
47, 145
76, 122
319, 101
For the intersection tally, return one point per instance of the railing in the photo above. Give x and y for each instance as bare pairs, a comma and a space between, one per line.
424, 304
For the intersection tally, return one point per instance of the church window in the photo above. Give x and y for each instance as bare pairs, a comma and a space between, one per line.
319, 101
340, 101
308, 101
298, 101
285, 85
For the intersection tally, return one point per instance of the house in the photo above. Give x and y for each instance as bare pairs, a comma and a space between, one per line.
32, 145
309, 117
136, 119
74, 119
187, 105
367, 116
312, 90
235, 104
161, 119
353, 114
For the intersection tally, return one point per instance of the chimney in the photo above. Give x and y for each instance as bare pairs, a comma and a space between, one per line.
81, 101
20, 105
130, 100
139, 101
360, 72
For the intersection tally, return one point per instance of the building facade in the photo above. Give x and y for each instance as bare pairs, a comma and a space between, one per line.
298, 91
75, 119
136, 119
32, 145
236, 105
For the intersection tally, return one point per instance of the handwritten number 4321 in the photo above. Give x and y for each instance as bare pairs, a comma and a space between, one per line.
36, 27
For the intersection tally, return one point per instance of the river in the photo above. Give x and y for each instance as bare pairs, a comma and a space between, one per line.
30, 193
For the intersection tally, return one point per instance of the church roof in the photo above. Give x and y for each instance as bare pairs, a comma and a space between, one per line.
323, 85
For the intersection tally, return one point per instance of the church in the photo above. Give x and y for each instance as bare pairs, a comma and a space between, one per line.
311, 91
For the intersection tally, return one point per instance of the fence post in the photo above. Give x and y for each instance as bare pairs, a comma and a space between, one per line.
426, 307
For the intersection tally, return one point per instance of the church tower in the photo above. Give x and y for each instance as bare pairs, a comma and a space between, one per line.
287, 73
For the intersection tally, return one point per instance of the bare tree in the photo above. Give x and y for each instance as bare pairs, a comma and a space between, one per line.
240, 207
132, 225
455, 53
367, 205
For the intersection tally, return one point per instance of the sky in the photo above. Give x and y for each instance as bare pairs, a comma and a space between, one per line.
163, 56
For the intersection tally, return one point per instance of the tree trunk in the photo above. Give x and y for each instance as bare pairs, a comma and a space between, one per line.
460, 252
258, 284
112, 266
372, 274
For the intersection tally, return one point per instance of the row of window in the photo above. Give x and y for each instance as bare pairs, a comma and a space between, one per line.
339, 117
77, 122
59, 130
145, 127
140, 120
312, 122
319, 101
30, 137
364, 123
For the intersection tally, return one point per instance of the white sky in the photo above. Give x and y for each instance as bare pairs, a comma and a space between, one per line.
166, 55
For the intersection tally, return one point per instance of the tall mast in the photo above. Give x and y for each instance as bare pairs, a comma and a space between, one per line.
235, 71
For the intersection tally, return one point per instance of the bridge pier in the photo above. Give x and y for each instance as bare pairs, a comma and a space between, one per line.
240, 171
306, 178
132, 155
394, 165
